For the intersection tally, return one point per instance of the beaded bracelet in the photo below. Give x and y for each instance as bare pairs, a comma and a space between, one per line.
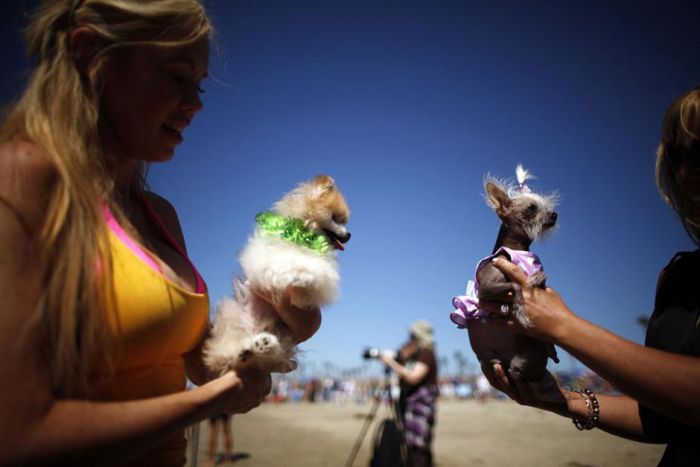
591, 421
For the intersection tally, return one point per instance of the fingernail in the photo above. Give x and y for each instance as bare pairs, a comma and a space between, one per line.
496, 259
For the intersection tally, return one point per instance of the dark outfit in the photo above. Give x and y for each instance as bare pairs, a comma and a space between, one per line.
673, 327
417, 406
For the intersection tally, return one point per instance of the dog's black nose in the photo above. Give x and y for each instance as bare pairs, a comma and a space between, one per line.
345, 238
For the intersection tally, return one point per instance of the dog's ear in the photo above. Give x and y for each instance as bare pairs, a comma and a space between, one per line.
497, 198
324, 183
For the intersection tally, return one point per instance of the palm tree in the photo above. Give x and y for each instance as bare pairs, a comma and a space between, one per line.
444, 362
461, 361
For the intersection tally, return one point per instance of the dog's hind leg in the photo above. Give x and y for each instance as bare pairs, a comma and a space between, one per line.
546, 389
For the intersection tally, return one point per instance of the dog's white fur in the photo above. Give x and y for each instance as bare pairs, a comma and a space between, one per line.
248, 332
272, 265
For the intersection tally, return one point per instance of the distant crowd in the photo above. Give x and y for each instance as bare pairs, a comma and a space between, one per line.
342, 390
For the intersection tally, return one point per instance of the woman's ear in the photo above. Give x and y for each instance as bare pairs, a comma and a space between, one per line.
85, 44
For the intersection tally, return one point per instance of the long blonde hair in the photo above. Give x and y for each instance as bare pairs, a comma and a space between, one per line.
59, 112
680, 132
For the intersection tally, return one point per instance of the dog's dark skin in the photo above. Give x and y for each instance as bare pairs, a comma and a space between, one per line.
523, 219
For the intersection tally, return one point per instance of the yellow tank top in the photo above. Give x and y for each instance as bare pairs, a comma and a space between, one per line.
156, 322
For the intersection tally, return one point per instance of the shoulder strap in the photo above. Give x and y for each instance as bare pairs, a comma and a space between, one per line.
153, 215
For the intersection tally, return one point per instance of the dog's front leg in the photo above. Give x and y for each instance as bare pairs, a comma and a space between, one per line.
494, 286
537, 279
510, 295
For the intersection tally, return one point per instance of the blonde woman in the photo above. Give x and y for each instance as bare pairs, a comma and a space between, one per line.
102, 313
661, 380
416, 367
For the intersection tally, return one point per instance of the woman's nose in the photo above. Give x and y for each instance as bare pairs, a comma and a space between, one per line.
191, 101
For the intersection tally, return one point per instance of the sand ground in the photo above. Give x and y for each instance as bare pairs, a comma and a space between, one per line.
468, 433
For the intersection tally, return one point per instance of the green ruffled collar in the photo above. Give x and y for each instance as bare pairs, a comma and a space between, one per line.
293, 230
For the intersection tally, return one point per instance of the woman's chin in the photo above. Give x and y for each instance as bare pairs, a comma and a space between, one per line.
164, 154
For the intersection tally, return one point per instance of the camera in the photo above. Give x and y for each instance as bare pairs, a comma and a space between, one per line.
374, 353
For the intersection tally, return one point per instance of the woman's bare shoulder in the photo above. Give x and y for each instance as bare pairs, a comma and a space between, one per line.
27, 177
25, 156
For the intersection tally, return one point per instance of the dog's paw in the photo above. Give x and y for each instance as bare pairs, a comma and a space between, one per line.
518, 311
537, 279
264, 343
245, 350
261, 344
299, 279
245, 355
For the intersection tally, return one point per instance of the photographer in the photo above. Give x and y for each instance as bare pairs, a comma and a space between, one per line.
416, 367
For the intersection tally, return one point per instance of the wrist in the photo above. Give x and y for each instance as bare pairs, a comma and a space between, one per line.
575, 405
584, 409
212, 396
567, 328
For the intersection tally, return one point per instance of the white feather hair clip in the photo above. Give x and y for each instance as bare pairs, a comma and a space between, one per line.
522, 175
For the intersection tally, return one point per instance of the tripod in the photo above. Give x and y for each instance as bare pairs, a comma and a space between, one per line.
370, 418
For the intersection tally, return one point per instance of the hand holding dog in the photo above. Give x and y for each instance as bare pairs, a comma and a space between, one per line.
302, 322
239, 391
554, 400
547, 313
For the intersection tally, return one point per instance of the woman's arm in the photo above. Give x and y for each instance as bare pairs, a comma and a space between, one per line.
77, 432
413, 376
666, 382
619, 415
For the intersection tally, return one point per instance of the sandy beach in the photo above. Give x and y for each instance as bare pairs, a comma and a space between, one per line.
468, 432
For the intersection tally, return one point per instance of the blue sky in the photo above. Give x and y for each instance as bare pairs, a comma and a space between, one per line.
407, 104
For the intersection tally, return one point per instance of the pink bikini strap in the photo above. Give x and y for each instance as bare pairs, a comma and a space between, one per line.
200, 286
127, 240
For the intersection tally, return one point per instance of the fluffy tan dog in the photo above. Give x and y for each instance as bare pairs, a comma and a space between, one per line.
290, 256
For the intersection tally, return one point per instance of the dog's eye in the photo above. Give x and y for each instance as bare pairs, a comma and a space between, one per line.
531, 209
338, 219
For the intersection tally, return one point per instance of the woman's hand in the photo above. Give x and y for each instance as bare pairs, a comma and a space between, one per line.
239, 391
302, 322
543, 307
386, 358
552, 399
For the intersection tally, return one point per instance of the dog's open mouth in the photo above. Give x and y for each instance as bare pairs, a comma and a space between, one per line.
337, 241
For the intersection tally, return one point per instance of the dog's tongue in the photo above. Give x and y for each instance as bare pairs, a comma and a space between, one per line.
339, 245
